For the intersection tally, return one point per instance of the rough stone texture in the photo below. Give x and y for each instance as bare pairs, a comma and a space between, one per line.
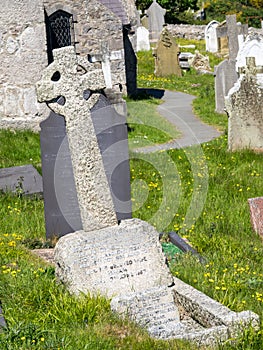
244, 105
23, 50
166, 56
21, 179
225, 72
187, 31
251, 47
156, 20
150, 309
211, 43
200, 62
142, 39
23, 56
218, 320
225, 78
232, 35
95, 202
112, 261
256, 214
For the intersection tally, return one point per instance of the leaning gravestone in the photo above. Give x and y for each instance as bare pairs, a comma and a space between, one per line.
167, 55
21, 180
256, 214
244, 106
93, 193
156, 20
62, 214
225, 72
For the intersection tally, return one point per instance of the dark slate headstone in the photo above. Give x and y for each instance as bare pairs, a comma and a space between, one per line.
256, 214
112, 134
21, 180
62, 214
2, 320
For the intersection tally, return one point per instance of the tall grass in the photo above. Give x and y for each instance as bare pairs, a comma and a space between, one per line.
214, 183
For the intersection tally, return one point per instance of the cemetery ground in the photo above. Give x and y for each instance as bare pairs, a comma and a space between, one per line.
41, 314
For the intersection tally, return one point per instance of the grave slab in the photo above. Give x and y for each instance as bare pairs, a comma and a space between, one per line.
23, 179
150, 309
112, 261
256, 214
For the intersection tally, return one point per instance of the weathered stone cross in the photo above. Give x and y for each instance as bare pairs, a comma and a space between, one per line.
63, 78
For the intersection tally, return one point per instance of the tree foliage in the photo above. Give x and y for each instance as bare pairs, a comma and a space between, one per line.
250, 11
174, 8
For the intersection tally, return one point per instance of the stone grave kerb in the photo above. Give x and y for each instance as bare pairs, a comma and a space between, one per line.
70, 76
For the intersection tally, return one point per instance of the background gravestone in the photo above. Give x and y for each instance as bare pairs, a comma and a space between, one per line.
251, 47
142, 39
156, 20
244, 105
21, 180
256, 214
211, 43
167, 55
225, 73
62, 214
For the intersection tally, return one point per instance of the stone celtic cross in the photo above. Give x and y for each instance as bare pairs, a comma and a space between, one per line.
70, 76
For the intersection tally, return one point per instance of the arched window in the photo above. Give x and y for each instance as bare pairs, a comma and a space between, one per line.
60, 31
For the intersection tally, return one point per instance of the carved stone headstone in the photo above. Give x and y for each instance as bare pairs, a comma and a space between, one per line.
251, 47
211, 43
226, 76
225, 72
21, 180
113, 261
156, 20
142, 39
63, 78
244, 105
166, 55
256, 214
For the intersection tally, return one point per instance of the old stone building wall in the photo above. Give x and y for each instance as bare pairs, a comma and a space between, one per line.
25, 49
23, 56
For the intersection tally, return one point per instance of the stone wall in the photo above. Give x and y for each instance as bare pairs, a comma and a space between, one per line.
23, 51
187, 31
23, 56
195, 32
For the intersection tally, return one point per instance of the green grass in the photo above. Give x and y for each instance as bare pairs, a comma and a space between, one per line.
146, 126
202, 86
200, 192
